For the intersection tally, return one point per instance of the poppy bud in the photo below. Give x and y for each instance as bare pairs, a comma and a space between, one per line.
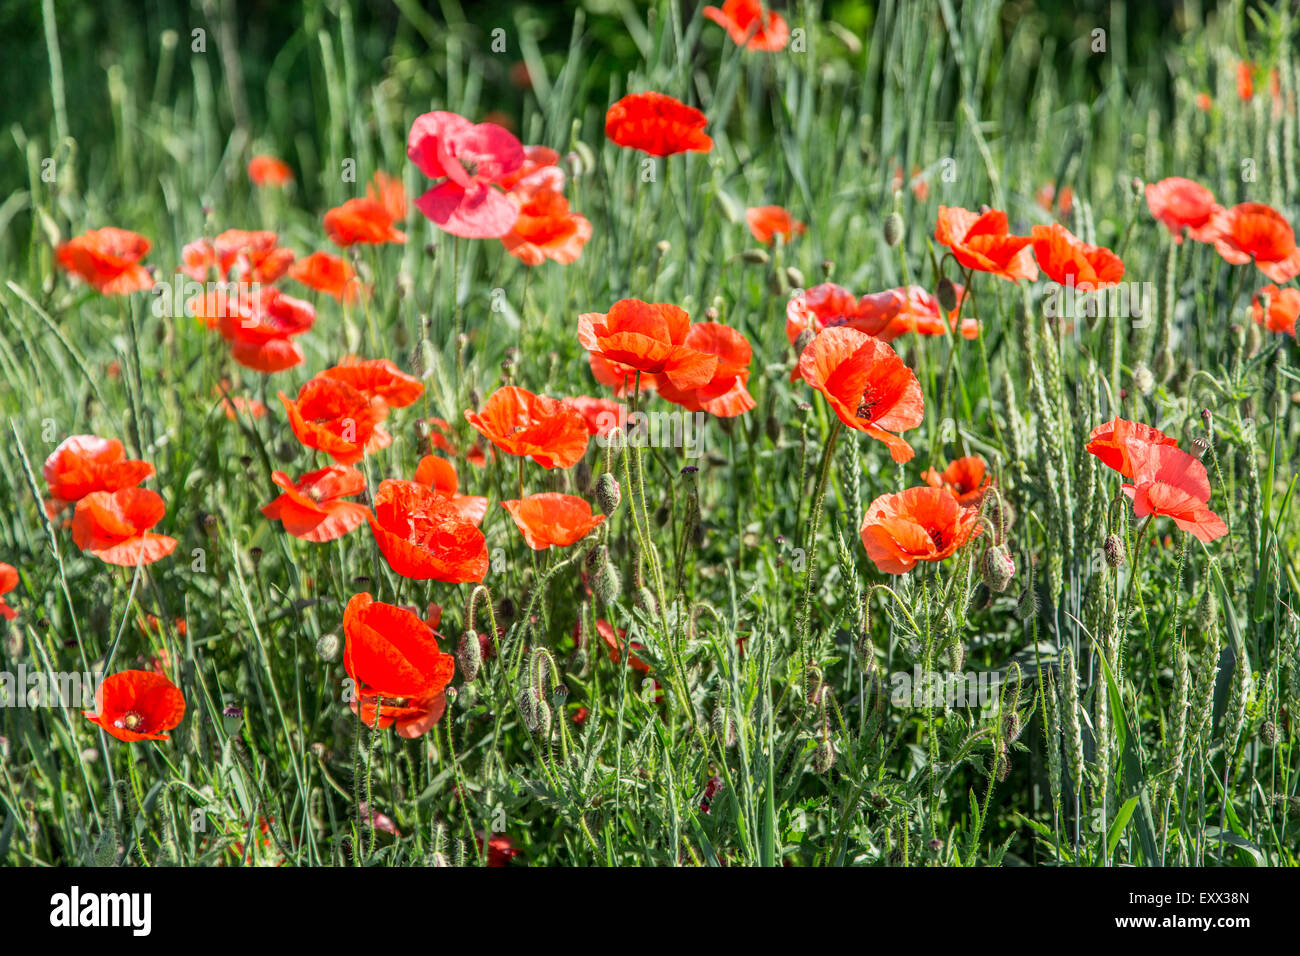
997, 568
777, 284
646, 600
828, 266
608, 493
755, 257
585, 154
1027, 603
1205, 613
1268, 733
794, 277
1114, 550
956, 655
663, 247
804, 340
824, 758
1143, 380
712, 314
892, 229
327, 647
772, 426
946, 293
606, 583
469, 655
542, 719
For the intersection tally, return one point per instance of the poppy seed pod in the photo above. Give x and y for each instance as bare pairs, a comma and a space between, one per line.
946, 293
469, 655
608, 493
1114, 550
892, 228
997, 568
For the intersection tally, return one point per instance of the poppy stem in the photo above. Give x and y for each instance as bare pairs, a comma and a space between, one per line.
1138, 551
810, 541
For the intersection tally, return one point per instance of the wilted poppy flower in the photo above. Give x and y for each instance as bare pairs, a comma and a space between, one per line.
539, 170
982, 242
439, 474
1168, 481
137, 705
1253, 230
259, 326
378, 379
1183, 205
361, 221
546, 229
398, 672
552, 519
520, 423
8, 581
311, 507
1071, 261
657, 124
83, 464
918, 524
327, 273
108, 259
726, 394
470, 159
647, 337
866, 384
967, 478
750, 26
389, 192
269, 171
1112, 442
602, 415
423, 535
768, 221
1283, 309
894, 312
114, 526
333, 417
237, 255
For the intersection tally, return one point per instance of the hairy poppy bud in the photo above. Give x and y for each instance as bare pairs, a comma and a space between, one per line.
956, 655
608, 493
646, 600
824, 758
892, 229
756, 257
1200, 445
946, 293
997, 568
777, 284
804, 340
794, 277
606, 583
828, 267
1114, 550
1143, 380
1206, 613
327, 647
469, 655
1268, 733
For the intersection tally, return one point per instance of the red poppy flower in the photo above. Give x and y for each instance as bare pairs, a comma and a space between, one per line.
108, 259
423, 535
918, 524
333, 417
269, 171
726, 394
641, 336
236, 405
1168, 481
1245, 80
657, 124
389, 192
866, 384
378, 379
327, 273
361, 221
114, 526
602, 415
238, 255
1049, 201
470, 159
137, 705
982, 242
615, 645
1183, 205
750, 26
311, 507
8, 581
1253, 230
553, 519
768, 221
438, 474
894, 312
500, 849
540, 170
520, 423
1111, 442
440, 438
967, 478
546, 229
259, 326
83, 464
1203, 102
1283, 309
1071, 261
399, 674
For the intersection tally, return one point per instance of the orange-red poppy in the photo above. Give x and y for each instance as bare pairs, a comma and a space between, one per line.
83, 464
540, 170
333, 417
439, 474
1049, 200
552, 519
137, 705
398, 672
269, 171
518, 422
1203, 102
361, 220
726, 394
236, 405
1253, 230
8, 581
378, 379
648, 337
917, 524
657, 124
389, 192
1183, 205
546, 229
259, 325
602, 415
1071, 261
108, 259
1245, 80
440, 438
866, 384
750, 26
1112, 443
1282, 312
327, 273
982, 242
967, 478
237, 255
114, 526
423, 535
312, 508
615, 645
894, 312
1168, 481
768, 221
